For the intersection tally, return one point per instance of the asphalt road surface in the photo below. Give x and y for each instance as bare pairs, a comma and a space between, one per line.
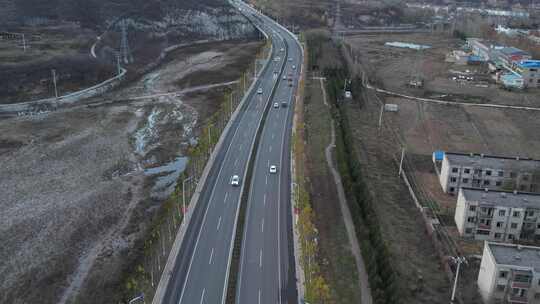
267, 272
201, 269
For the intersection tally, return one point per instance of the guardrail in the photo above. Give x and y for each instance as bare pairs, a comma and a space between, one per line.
50, 104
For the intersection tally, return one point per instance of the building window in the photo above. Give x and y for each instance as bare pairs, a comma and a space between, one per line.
486, 182
482, 232
503, 274
510, 236
465, 180
477, 171
467, 171
513, 225
498, 183
530, 213
523, 278
500, 173
472, 208
471, 219
488, 172
500, 287
502, 212
452, 189
497, 235
525, 177
537, 295
516, 214
522, 188
455, 170
468, 230
453, 179
513, 174
500, 224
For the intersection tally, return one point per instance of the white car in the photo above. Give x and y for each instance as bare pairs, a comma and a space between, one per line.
276, 105
235, 180
282, 49
273, 169
259, 91
290, 59
284, 77
277, 59
294, 67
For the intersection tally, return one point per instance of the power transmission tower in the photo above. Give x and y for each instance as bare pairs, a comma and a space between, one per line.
125, 51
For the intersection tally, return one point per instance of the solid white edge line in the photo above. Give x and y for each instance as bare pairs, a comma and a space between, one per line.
247, 220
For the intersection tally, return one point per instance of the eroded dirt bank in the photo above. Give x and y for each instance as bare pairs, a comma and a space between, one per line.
79, 186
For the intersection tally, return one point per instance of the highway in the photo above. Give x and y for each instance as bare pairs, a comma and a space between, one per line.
267, 272
201, 269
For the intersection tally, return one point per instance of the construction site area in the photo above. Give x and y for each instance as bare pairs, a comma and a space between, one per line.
413, 81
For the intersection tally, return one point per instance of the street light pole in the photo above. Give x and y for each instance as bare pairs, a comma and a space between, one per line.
54, 82
184, 198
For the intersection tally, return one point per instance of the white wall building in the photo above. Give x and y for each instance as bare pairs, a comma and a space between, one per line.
487, 171
509, 274
497, 215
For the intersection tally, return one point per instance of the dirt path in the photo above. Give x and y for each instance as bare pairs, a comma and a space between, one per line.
365, 290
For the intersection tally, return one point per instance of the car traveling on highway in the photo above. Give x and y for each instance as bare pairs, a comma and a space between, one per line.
276, 105
259, 91
235, 180
273, 169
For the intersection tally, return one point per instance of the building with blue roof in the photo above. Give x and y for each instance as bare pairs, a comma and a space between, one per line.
529, 71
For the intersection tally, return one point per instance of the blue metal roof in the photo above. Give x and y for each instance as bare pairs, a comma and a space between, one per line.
438, 155
475, 58
529, 64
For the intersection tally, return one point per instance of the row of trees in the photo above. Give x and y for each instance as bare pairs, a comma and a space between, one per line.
377, 258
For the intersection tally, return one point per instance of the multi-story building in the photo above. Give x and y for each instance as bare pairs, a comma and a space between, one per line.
487, 171
493, 215
530, 71
509, 274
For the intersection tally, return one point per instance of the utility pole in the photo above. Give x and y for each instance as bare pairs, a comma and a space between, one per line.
24, 43
124, 43
401, 161
54, 83
380, 116
457, 260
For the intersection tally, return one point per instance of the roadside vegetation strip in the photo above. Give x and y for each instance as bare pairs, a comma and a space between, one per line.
155, 247
381, 273
383, 278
